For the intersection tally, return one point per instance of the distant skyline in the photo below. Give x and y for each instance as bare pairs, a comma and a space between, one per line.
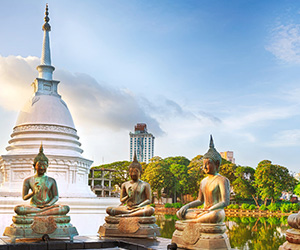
187, 69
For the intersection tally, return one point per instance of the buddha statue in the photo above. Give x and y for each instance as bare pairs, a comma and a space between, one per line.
214, 194
44, 193
132, 217
42, 217
135, 195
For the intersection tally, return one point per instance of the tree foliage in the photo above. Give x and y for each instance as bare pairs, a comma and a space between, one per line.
297, 189
271, 180
195, 171
121, 173
227, 169
244, 184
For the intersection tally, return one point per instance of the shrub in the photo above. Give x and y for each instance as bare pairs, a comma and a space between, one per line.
230, 206
168, 205
236, 206
177, 205
263, 207
252, 207
295, 207
244, 206
273, 207
285, 208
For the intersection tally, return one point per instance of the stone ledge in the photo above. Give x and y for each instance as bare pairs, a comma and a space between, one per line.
86, 242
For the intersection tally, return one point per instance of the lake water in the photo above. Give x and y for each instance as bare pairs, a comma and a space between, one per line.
245, 233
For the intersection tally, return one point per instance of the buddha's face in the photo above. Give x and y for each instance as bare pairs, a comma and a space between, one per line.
41, 167
210, 167
134, 173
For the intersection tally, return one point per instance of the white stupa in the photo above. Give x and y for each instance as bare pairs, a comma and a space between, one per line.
45, 118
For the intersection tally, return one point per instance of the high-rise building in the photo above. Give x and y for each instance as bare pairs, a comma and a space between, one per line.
228, 155
141, 143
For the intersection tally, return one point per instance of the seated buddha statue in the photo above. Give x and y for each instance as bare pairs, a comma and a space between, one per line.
205, 228
44, 193
132, 218
42, 217
135, 195
214, 192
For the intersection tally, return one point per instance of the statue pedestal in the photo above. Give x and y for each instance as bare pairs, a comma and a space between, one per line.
293, 240
200, 236
54, 226
136, 227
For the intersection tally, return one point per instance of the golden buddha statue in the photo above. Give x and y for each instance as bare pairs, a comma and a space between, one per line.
132, 218
214, 192
205, 228
135, 195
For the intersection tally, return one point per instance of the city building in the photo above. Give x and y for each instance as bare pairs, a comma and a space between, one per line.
101, 183
141, 143
228, 155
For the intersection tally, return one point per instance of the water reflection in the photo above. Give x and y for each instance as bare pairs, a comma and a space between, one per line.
244, 232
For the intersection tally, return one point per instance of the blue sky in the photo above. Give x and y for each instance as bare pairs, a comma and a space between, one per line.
186, 68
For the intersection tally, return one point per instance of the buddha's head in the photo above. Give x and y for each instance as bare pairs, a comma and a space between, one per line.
135, 169
211, 159
40, 162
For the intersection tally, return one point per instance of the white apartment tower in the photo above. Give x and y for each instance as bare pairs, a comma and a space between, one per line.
142, 143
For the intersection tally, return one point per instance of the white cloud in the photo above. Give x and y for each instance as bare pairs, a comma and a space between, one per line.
257, 116
285, 43
96, 105
286, 138
16, 75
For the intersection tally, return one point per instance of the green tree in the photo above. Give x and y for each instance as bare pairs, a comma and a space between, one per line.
119, 176
244, 185
227, 169
157, 174
271, 180
196, 174
178, 169
297, 189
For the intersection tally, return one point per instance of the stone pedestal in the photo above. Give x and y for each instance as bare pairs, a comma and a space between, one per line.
54, 226
137, 227
200, 236
293, 240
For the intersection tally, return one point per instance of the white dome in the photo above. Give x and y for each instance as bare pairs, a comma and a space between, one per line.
45, 109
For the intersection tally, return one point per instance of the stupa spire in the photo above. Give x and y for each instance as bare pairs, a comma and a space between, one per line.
44, 84
46, 69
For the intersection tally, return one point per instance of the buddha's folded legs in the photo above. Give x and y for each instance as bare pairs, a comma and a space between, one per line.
215, 216
124, 211
52, 210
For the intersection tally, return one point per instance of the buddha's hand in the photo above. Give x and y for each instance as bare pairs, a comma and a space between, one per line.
130, 192
36, 187
182, 211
